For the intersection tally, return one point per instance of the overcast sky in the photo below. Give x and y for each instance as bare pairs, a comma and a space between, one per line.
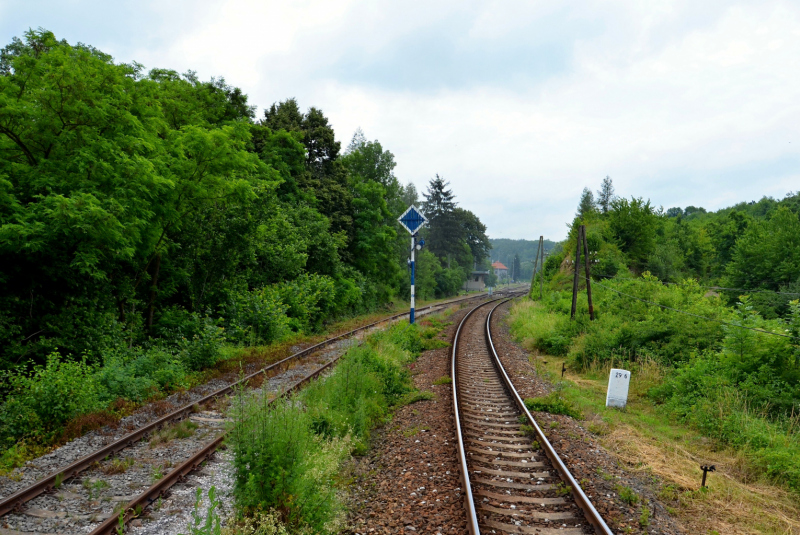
518, 104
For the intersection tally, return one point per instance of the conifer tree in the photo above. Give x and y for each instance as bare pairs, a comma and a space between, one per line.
605, 194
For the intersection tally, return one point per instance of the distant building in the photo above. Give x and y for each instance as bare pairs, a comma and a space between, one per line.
476, 281
500, 270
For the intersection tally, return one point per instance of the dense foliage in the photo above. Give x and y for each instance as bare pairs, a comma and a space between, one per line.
709, 298
148, 218
287, 455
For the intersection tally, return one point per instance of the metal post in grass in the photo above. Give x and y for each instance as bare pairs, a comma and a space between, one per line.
412, 220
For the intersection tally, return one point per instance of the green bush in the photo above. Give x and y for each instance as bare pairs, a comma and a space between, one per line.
204, 348
42, 401
280, 462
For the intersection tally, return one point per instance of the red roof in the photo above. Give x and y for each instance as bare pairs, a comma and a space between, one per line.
499, 265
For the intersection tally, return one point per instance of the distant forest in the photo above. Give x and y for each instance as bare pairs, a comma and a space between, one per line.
504, 250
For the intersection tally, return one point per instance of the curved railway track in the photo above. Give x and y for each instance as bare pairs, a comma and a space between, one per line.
61, 506
514, 483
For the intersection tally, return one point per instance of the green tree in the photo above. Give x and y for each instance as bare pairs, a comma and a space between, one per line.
444, 230
605, 194
632, 224
767, 255
586, 207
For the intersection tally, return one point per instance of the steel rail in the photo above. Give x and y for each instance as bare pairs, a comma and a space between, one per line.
135, 506
131, 511
472, 515
594, 518
26, 494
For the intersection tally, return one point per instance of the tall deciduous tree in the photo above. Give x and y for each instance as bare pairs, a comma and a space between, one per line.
633, 226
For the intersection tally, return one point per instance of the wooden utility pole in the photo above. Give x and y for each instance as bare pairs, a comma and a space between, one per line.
577, 262
539, 252
541, 268
586, 262
582, 245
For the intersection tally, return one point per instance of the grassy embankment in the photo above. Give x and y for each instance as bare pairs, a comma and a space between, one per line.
671, 427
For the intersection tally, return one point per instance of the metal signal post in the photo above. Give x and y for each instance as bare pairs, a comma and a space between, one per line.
413, 220
413, 250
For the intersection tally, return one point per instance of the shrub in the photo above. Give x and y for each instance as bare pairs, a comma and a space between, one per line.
42, 401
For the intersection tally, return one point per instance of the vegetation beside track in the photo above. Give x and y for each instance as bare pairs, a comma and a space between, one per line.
288, 456
64, 399
688, 405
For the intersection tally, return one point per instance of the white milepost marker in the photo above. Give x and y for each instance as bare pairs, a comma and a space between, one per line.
618, 383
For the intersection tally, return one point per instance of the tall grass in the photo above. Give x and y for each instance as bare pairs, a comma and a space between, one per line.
288, 454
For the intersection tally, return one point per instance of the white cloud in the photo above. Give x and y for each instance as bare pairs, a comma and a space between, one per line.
682, 102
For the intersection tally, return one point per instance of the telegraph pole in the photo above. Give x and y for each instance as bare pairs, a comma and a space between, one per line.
582, 245
539, 252
575, 278
588, 275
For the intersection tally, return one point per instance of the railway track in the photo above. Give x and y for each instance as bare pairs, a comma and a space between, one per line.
92, 491
514, 483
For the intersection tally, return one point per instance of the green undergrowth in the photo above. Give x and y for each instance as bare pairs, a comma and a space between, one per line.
735, 387
553, 403
65, 397
288, 454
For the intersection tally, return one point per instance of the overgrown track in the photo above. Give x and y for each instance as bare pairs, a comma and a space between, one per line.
513, 483
16, 502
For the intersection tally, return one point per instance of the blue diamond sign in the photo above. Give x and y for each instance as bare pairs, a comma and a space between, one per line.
412, 220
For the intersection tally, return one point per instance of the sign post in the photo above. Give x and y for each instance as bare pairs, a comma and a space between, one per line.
413, 220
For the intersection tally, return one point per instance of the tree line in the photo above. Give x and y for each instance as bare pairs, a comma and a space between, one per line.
139, 206
751, 247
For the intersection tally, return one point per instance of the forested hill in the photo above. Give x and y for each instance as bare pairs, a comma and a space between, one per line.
505, 250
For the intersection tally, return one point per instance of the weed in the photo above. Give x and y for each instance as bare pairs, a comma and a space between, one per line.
118, 466
94, 488
627, 495
157, 473
528, 430
417, 395
554, 425
599, 427
411, 431
644, 517
562, 489
605, 475
443, 380
183, 429
59, 480
121, 523
554, 404
210, 523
